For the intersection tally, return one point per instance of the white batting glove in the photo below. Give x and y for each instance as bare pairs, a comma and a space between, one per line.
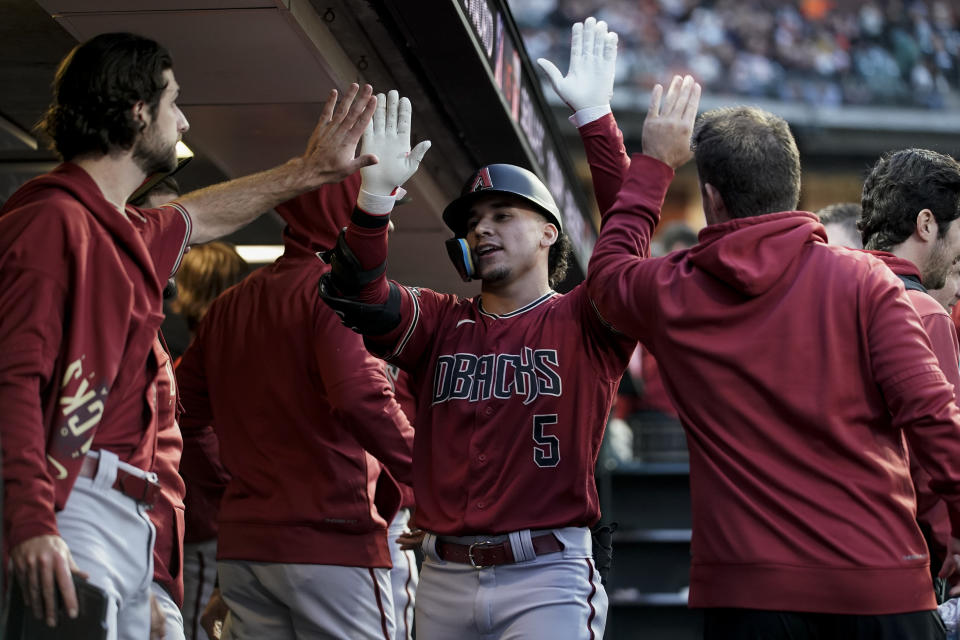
388, 137
593, 63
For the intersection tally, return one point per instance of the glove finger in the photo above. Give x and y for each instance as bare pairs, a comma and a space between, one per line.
576, 45
556, 78
599, 39
380, 115
610, 48
403, 121
417, 153
589, 28
393, 98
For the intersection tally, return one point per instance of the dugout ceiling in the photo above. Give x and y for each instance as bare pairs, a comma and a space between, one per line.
254, 73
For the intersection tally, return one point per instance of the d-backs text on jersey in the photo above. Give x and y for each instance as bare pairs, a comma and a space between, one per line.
467, 376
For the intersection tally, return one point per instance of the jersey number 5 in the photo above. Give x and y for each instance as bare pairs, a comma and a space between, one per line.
546, 450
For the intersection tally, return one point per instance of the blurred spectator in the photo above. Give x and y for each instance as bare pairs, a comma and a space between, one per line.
824, 52
840, 221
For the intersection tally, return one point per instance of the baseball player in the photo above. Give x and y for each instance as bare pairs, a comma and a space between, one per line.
302, 414
909, 221
797, 370
83, 382
514, 387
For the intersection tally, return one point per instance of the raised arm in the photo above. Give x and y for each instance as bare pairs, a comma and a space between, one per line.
329, 157
616, 276
356, 286
587, 89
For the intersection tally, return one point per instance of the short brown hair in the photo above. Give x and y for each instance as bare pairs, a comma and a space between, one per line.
750, 157
206, 271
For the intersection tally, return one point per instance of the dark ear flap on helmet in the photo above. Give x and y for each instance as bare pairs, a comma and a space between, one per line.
462, 258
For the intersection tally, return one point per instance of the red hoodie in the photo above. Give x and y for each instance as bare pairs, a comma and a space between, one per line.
297, 403
80, 306
931, 510
796, 369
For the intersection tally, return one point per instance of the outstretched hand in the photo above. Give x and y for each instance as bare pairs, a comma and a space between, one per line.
668, 126
387, 139
330, 152
593, 64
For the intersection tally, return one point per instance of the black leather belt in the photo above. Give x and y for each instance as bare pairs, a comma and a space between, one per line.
142, 490
489, 554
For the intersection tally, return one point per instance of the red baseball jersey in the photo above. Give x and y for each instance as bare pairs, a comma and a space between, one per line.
80, 289
511, 409
405, 395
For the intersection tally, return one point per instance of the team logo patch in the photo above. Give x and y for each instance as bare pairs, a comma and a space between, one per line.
482, 181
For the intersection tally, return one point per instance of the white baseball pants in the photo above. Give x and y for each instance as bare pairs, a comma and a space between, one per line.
557, 595
199, 576
404, 577
173, 621
305, 602
111, 538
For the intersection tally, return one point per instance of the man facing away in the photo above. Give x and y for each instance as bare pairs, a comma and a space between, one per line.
797, 369
83, 383
302, 415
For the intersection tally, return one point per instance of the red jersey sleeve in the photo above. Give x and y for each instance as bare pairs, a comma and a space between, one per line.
920, 402
30, 330
166, 232
943, 339
621, 277
361, 395
931, 511
608, 159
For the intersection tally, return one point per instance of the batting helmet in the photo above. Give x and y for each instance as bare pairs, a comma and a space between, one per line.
500, 178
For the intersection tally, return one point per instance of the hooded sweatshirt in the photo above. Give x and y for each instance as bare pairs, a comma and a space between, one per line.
931, 510
297, 403
797, 369
80, 294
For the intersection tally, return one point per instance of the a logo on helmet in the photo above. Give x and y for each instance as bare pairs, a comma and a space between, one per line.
482, 181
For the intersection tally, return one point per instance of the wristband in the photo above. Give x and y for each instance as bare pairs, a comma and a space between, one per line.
589, 114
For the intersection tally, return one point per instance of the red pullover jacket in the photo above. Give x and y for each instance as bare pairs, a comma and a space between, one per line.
931, 510
80, 306
296, 402
796, 369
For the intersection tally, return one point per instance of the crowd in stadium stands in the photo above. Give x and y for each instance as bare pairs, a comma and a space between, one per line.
823, 52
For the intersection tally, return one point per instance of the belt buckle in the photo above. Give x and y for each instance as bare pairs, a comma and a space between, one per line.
478, 543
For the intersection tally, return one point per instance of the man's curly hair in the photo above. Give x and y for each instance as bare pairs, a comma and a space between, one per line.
95, 89
558, 259
899, 186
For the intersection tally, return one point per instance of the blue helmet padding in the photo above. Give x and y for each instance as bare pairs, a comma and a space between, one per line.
462, 258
